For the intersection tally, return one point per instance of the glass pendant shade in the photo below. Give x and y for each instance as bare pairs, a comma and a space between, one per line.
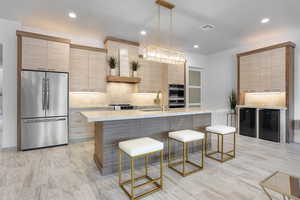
162, 55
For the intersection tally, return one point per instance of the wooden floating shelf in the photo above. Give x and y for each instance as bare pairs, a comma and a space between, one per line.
123, 79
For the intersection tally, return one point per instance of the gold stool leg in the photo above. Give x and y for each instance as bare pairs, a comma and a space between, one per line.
169, 152
184, 158
120, 167
234, 143
222, 148
202, 154
187, 151
206, 143
161, 168
218, 149
132, 178
146, 165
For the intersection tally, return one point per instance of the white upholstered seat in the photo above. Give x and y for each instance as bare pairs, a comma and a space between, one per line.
186, 135
221, 129
140, 146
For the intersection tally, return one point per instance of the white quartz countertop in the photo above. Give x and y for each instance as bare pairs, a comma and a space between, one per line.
97, 116
262, 107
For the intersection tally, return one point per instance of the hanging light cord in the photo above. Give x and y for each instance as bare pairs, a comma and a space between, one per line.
171, 28
158, 25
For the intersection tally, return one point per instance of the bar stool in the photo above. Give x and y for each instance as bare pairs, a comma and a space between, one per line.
139, 148
185, 137
221, 131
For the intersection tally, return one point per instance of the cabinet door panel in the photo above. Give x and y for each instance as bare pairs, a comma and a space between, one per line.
97, 71
58, 56
34, 53
176, 74
79, 72
263, 72
151, 77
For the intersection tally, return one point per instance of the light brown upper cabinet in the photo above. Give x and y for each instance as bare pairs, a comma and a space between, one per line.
151, 74
87, 70
58, 56
97, 71
79, 70
263, 71
34, 53
176, 74
41, 54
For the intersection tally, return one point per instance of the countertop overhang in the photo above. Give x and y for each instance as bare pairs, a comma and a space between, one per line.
262, 107
101, 116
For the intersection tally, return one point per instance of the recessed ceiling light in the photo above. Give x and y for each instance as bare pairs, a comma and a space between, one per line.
72, 15
196, 46
143, 32
265, 20
208, 27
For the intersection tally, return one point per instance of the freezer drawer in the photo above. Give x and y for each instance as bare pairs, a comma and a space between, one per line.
44, 132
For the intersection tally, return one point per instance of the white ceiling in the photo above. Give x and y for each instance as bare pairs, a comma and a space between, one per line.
235, 20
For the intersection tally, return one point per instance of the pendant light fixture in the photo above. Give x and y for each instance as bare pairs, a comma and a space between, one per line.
158, 53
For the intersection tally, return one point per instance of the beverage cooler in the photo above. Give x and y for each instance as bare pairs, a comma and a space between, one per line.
248, 122
269, 125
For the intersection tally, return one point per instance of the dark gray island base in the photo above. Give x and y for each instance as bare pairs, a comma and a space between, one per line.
109, 133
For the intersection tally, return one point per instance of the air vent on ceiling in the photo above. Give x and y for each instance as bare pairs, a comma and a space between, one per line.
207, 27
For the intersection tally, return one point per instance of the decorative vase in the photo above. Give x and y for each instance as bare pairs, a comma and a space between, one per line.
113, 72
134, 73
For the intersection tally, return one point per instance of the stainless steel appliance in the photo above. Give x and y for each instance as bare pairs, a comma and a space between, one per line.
176, 96
248, 122
269, 125
44, 109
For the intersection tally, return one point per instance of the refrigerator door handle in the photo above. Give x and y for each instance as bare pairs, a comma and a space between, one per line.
43, 93
28, 121
48, 93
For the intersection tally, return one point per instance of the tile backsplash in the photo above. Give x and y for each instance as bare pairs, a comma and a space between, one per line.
117, 93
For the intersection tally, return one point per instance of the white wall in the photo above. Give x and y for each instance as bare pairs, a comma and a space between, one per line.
8, 39
220, 78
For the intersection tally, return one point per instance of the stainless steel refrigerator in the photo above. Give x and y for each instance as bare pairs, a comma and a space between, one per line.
44, 109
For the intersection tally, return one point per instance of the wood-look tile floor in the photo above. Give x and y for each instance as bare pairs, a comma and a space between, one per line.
69, 173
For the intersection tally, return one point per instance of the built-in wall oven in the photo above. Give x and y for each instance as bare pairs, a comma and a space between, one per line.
176, 96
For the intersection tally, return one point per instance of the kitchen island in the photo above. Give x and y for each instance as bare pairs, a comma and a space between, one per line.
111, 127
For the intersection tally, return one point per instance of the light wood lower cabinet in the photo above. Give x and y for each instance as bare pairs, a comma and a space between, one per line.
39, 54
80, 129
87, 71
